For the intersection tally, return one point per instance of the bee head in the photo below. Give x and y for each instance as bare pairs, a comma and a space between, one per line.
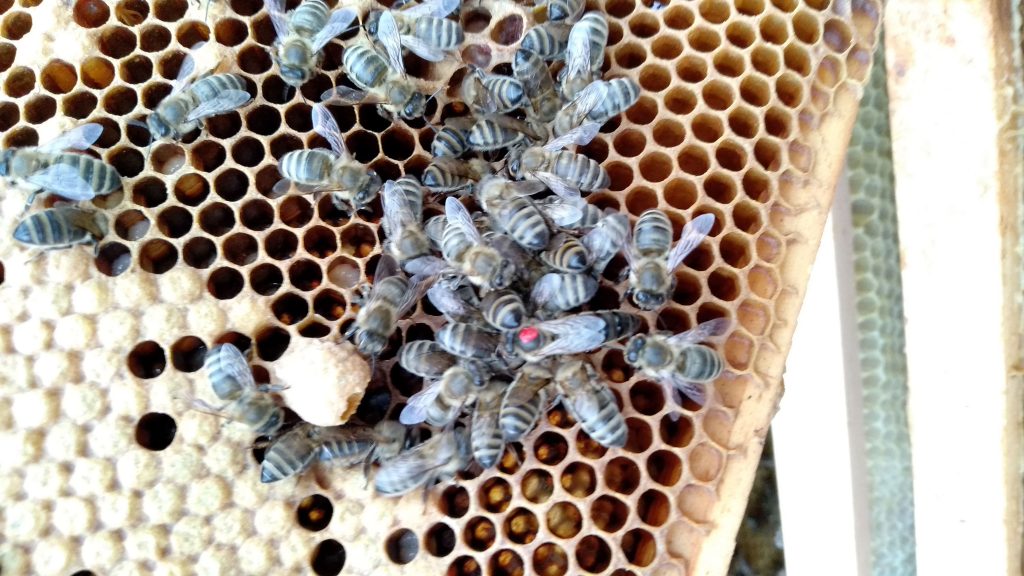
158, 129
648, 300
372, 18
633, 348
504, 274
367, 192
370, 344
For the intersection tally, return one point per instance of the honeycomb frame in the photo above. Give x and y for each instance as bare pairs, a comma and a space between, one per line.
745, 113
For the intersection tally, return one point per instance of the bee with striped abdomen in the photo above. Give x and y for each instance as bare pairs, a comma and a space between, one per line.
302, 34
584, 54
652, 258
524, 401
351, 184
533, 73
62, 227
503, 309
565, 173
232, 381
403, 219
382, 305
442, 400
422, 27
425, 358
487, 93
48, 168
680, 362
381, 79
566, 254
445, 174
188, 103
293, 452
573, 334
564, 10
438, 459
557, 292
513, 212
548, 40
605, 239
590, 402
468, 341
485, 431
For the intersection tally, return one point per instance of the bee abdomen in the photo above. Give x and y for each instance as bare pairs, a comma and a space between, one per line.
467, 341
210, 87
288, 456
515, 420
699, 363
622, 93
652, 233
608, 427
306, 166
102, 178
563, 9
618, 324
585, 172
487, 135
439, 32
425, 358
449, 142
525, 224
345, 452
509, 92
544, 43
309, 18
49, 228
569, 256
364, 66
487, 446
503, 309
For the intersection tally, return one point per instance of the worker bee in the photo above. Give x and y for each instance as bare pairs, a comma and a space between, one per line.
403, 218
605, 239
382, 79
598, 102
467, 340
425, 358
584, 54
466, 253
48, 168
452, 139
293, 452
548, 40
524, 401
422, 27
231, 380
497, 132
512, 212
450, 175
565, 173
533, 73
302, 35
573, 334
438, 459
442, 400
455, 300
679, 361
566, 254
351, 184
503, 309
62, 227
382, 305
188, 103
569, 213
559, 291
564, 10
590, 402
487, 93
485, 432
652, 263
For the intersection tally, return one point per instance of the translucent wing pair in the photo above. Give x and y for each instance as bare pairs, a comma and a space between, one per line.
393, 41
64, 179
692, 235
224, 101
578, 136
571, 334
700, 333
337, 23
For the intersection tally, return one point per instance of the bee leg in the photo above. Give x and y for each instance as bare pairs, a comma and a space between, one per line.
31, 198
271, 387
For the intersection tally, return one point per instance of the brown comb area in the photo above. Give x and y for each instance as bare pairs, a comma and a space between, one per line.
745, 114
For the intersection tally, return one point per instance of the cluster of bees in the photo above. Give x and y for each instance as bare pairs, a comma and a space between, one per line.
509, 279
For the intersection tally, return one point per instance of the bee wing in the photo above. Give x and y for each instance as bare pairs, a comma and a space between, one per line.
397, 213
418, 462
346, 95
604, 241
275, 8
188, 67
416, 407
338, 22
84, 219
448, 302
573, 334
325, 125
546, 288
386, 268
417, 290
692, 235
693, 390
560, 186
282, 187
457, 215
422, 49
484, 99
229, 359
701, 332
435, 8
561, 213
63, 180
387, 34
577, 136
78, 138
577, 52
426, 266
226, 101
587, 100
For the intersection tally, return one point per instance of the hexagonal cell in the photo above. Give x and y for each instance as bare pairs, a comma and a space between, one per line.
216, 219
676, 430
155, 431
609, 513
78, 105
157, 256
593, 554
231, 184
454, 502
113, 259
718, 95
640, 200
696, 502
147, 360
19, 82
440, 540
116, 41
7, 55
537, 485
680, 100
314, 512
655, 78
614, 365
667, 47
266, 279
718, 186
579, 479
402, 546
465, 566
495, 494
328, 558
241, 249
550, 448
505, 562
639, 437
358, 240
199, 252
225, 283
188, 354
564, 520
207, 156
479, 533
154, 38
694, 160
653, 507
655, 166
550, 559
90, 13
16, 25
664, 467
588, 447
639, 547
224, 126
521, 526
131, 225
622, 475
